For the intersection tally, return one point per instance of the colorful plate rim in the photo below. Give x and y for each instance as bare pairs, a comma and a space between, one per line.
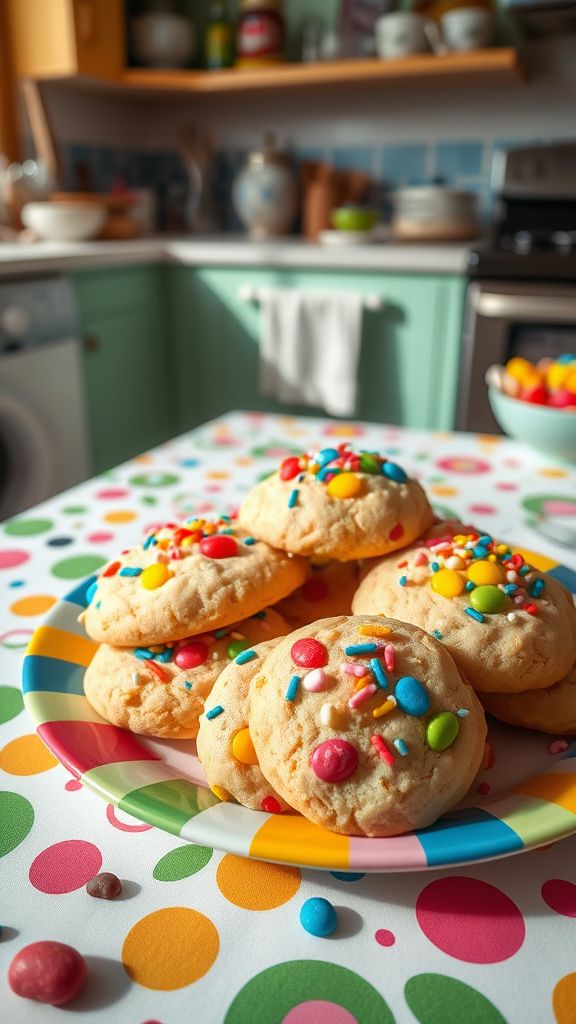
114, 764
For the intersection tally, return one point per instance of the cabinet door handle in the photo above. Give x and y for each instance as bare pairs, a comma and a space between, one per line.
92, 343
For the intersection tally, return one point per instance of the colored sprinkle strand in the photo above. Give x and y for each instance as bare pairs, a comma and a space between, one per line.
474, 614
360, 649
293, 498
245, 656
214, 712
374, 630
328, 463
462, 712
403, 581
437, 634
379, 745
379, 674
292, 689
158, 671
135, 677
389, 657
384, 708
364, 694
149, 542
353, 670
249, 541
128, 571
401, 747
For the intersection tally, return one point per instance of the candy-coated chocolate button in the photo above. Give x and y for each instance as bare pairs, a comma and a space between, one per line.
289, 468
314, 590
155, 576
49, 972
104, 886
396, 532
488, 600
318, 917
327, 455
334, 760
315, 681
394, 472
369, 463
236, 647
309, 653
448, 583
221, 793
485, 573
271, 805
411, 696
219, 546
442, 730
345, 485
191, 655
243, 748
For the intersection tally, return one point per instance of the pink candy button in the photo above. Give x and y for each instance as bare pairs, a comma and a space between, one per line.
334, 760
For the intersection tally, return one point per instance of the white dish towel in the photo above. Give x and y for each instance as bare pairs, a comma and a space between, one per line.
310, 346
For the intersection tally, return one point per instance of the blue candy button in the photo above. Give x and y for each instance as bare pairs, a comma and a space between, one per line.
411, 696
318, 917
394, 472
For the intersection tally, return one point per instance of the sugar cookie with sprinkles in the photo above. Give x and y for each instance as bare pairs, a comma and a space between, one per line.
550, 710
160, 690
365, 725
224, 743
508, 626
328, 591
337, 503
186, 579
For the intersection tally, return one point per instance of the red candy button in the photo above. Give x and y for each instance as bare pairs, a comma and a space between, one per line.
112, 569
191, 655
289, 469
50, 972
334, 760
219, 546
309, 653
396, 532
314, 590
271, 805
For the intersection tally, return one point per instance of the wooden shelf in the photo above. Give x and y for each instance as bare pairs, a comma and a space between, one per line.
490, 67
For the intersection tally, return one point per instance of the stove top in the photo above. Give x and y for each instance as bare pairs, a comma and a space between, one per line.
521, 261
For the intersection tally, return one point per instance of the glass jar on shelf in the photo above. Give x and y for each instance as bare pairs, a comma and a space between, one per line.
260, 33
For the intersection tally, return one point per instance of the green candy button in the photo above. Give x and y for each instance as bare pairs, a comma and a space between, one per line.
442, 730
489, 600
236, 647
369, 464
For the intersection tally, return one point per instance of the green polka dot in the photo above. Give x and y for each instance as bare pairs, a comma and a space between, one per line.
267, 998
437, 999
28, 527
154, 479
11, 703
181, 863
77, 566
148, 499
74, 510
16, 820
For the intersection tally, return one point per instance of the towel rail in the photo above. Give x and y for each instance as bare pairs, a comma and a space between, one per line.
248, 293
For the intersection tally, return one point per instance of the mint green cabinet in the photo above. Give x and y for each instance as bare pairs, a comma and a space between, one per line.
409, 355
127, 360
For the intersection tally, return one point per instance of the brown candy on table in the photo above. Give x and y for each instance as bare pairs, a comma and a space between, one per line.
104, 886
49, 972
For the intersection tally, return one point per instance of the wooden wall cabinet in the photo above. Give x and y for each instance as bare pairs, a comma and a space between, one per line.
60, 38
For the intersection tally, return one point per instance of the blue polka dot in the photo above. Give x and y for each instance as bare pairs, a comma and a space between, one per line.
348, 876
17, 583
60, 542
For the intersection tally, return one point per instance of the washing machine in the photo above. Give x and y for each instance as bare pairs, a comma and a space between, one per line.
44, 445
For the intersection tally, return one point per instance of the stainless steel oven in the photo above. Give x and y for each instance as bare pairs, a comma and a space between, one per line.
505, 319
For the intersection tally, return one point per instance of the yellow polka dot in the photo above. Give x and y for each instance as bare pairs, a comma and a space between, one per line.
170, 948
243, 460
36, 604
343, 430
443, 491
489, 439
120, 516
145, 459
26, 755
344, 485
564, 1000
254, 885
553, 472
218, 474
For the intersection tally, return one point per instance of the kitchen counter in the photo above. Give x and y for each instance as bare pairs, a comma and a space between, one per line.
44, 257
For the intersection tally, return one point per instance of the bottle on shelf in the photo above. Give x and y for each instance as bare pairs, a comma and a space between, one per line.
218, 37
260, 33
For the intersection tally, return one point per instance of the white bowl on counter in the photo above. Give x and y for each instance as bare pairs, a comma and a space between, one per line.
64, 222
434, 213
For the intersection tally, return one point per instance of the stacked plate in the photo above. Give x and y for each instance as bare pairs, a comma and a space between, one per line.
434, 213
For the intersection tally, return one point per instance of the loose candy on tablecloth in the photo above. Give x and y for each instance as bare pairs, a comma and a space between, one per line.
47, 971
104, 886
318, 917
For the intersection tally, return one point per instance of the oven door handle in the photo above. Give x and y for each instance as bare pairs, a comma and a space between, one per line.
539, 308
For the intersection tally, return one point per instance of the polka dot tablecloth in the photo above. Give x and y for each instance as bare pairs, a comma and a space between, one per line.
207, 936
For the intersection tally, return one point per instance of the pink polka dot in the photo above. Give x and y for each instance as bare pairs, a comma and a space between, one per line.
121, 825
111, 493
560, 896
72, 785
505, 486
384, 937
466, 464
13, 557
482, 510
470, 920
559, 508
319, 1011
100, 538
65, 866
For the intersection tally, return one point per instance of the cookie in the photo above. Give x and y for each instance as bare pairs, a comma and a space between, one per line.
507, 626
224, 744
337, 504
188, 579
161, 691
365, 725
328, 591
550, 710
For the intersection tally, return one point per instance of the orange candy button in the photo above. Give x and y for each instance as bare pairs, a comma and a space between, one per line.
243, 748
344, 485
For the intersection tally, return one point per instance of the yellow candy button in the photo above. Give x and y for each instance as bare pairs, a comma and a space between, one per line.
570, 383
486, 573
448, 583
155, 576
556, 375
221, 793
243, 748
519, 368
345, 485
